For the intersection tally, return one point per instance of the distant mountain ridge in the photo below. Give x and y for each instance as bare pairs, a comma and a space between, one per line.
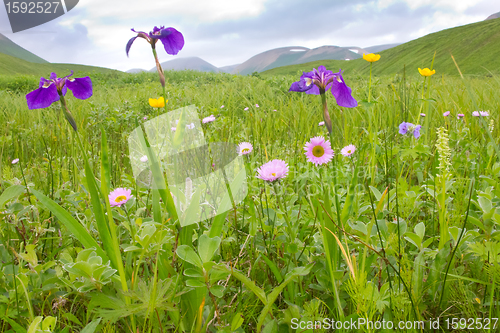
294, 55
473, 46
12, 49
192, 63
493, 16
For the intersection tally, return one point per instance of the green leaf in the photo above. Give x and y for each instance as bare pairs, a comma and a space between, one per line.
271, 327
349, 200
186, 253
420, 230
246, 281
102, 227
485, 204
11, 192
217, 291
273, 268
192, 213
90, 328
237, 321
193, 272
414, 239
195, 283
105, 169
15, 326
35, 324
73, 225
207, 247
49, 323
277, 291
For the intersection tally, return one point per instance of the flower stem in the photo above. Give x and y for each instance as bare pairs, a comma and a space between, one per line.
370, 84
326, 115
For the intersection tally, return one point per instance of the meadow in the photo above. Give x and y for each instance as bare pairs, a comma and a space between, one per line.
403, 230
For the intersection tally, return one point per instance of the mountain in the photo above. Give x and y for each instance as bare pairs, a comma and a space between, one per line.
474, 46
192, 63
10, 65
290, 55
294, 55
493, 16
136, 70
228, 69
10, 48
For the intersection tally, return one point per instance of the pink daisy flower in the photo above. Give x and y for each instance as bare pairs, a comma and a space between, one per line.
273, 170
245, 148
222, 106
145, 118
422, 115
480, 113
318, 151
246, 109
348, 150
256, 105
321, 123
15, 161
119, 196
446, 114
208, 119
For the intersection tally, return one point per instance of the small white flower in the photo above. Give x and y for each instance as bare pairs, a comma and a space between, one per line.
144, 158
190, 126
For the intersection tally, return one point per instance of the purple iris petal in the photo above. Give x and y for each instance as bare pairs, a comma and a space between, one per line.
301, 85
403, 127
141, 34
342, 92
172, 40
42, 97
129, 44
314, 90
81, 87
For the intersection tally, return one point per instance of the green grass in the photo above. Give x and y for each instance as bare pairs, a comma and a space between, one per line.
10, 65
274, 259
474, 46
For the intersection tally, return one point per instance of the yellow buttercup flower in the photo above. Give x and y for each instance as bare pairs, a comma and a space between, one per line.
426, 71
157, 103
371, 57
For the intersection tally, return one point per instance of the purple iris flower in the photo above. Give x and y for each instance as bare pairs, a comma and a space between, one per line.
50, 90
320, 80
409, 128
172, 40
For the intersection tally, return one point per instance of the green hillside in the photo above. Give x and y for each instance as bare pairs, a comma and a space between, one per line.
476, 48
10, 48
10, 65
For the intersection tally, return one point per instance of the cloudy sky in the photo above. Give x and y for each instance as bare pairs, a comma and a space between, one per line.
227, 32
